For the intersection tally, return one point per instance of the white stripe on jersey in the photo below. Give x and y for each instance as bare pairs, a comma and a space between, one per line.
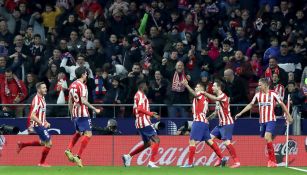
78, 90
266, 103
141, 101
280, 90
38, 107
200, 108
223, 110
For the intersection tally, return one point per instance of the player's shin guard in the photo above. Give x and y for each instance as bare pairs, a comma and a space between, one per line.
74, 140
154, 151
232, 152
44, 154
217, 150
271, 152
84, 142
191, 154
137, 150
34, 143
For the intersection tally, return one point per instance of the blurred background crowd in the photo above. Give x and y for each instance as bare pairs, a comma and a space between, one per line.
161, 41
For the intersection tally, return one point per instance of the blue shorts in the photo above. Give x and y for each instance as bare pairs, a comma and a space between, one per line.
83, 124
200, 131
146, 133
267, 127
223, 132
43, 133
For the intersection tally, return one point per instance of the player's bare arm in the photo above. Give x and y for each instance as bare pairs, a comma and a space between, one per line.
34, 118
210, 96
86, 103
247, 108
70, 105
212, 116
186, 84
288, 115
155, 115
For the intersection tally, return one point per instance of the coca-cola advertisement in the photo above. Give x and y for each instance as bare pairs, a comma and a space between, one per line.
173, 151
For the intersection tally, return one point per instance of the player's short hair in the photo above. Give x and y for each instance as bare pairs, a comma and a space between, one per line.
140, 83
219, 84
80, 71
264, 81
38, 85
201, 84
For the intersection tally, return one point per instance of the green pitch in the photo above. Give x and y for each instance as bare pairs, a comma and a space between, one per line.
97, 170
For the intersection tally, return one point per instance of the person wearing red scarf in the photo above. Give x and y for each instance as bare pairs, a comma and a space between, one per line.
13, 91
275, 69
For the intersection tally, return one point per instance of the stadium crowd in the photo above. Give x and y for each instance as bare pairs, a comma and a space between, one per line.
163, 42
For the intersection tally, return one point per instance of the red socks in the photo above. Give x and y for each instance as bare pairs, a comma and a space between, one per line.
84, 142
191, 154
154, 151
217, 150
271, 152
34, 143
74, 140
232, 152
44, 154
137, 150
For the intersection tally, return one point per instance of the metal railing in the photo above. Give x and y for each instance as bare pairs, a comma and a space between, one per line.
60, 108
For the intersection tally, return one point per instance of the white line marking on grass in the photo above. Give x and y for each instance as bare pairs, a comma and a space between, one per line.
298, 169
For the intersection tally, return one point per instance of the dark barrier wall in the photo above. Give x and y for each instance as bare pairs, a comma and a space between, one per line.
126, 125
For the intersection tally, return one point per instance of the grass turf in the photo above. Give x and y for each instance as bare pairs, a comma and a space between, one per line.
98, 170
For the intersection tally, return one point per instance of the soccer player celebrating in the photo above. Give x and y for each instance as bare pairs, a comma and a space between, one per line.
78, 107
225, 129
267, 100
200, 127
37, 121
144, 126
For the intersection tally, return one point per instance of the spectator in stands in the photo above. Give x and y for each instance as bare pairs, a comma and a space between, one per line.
13, 91
272, 51
236, 88
151, 61
95, 59
58, 94
70, 24
134, 76
75, 44
226, 53
256, 66
177, 93
30, 84
80, 63
5, 33
288, 61
13, 63
52, 72
274, 68
113, 51
115, 95
156, 39
36, 21
3, 48
15, 23
102, 85
49, 16
240, 65
37, 50
297, 97
157, 91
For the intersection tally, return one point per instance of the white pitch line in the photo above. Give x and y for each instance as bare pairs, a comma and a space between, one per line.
298, 169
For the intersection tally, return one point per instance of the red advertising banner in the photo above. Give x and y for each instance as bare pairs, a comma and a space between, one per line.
173, 151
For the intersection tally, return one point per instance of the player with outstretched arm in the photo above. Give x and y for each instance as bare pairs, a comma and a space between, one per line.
267, 100
200, 127
225, 129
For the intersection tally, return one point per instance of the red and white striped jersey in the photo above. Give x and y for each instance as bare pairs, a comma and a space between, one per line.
77, 90
267, 103
222, 109
280, 90
38, 107
141, 110
200, 108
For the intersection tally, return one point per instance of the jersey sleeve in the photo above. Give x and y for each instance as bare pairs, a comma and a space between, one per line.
256, 97
35, 104
277, 97
222, 97
83, 90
